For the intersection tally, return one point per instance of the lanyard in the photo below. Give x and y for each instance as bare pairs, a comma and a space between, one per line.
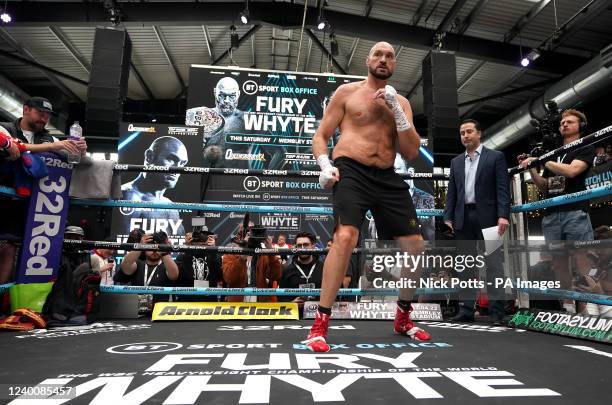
307, 277
148, 279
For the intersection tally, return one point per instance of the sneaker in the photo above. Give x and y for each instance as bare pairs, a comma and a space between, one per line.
316, 338
403, 325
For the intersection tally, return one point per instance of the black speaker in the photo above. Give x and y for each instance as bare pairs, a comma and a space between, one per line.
440, 98
108, 82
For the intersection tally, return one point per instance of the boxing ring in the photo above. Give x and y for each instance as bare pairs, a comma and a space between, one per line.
134, 361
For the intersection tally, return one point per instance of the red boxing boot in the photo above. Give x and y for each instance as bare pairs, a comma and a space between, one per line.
403, 325
316, 338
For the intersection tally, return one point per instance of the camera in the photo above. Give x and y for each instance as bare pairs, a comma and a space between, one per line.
257, 236
199, 234
135, 235
547, 137
160, 237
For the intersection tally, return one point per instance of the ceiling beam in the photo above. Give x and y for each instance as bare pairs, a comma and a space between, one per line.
323, 49
366, 13
243, 38
289, 50
585, 15
59, 35
164, 47
465, 24
438, 37
209, 45
273, 48
508, 36
142, 82
285, 15
419, 13
352, 54
510, 92
307, 63
45, 69
51, 74
254, 65
449, 18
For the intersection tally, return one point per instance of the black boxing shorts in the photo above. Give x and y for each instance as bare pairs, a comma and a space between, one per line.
382, 191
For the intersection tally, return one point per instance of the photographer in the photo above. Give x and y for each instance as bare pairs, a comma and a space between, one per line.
199, 269
566, 176
236, 268
157, 269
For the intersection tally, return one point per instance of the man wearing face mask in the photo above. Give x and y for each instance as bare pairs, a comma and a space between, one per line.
199, 269
305, 271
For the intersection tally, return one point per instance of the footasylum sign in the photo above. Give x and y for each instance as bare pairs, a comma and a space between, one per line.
559, 323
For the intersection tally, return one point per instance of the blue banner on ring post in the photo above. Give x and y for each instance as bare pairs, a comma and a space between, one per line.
44, 231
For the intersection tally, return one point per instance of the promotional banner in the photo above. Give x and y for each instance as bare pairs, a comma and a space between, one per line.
558, 323
375, 310
600, 175
161, 146
210, 311
266, 120
263, 120
44, 230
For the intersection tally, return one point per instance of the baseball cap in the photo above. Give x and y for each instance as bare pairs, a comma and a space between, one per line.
40, 103
75, 230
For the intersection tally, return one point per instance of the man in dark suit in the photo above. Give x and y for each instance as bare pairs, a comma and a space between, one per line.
478, 197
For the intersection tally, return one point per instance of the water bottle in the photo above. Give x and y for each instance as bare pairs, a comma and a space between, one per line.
76, 133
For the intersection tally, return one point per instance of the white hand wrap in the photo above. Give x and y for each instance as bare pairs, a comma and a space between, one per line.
327, 170
401, 122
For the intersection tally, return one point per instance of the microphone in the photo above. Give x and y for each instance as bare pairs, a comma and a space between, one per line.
213, 154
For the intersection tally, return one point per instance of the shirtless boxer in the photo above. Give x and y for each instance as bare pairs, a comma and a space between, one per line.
374, 122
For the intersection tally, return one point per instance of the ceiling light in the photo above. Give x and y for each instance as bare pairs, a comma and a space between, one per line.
322, 24
244, 14
244, 17
533, 54
525, 62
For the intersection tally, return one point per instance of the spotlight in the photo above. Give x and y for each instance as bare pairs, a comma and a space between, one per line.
244, 14
244, 17
6, 18
533, 55
322, 24
525, 62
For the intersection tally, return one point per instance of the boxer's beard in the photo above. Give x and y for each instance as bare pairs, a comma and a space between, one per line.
381, 76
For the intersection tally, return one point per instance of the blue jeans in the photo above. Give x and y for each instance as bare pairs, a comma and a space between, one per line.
567, 225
